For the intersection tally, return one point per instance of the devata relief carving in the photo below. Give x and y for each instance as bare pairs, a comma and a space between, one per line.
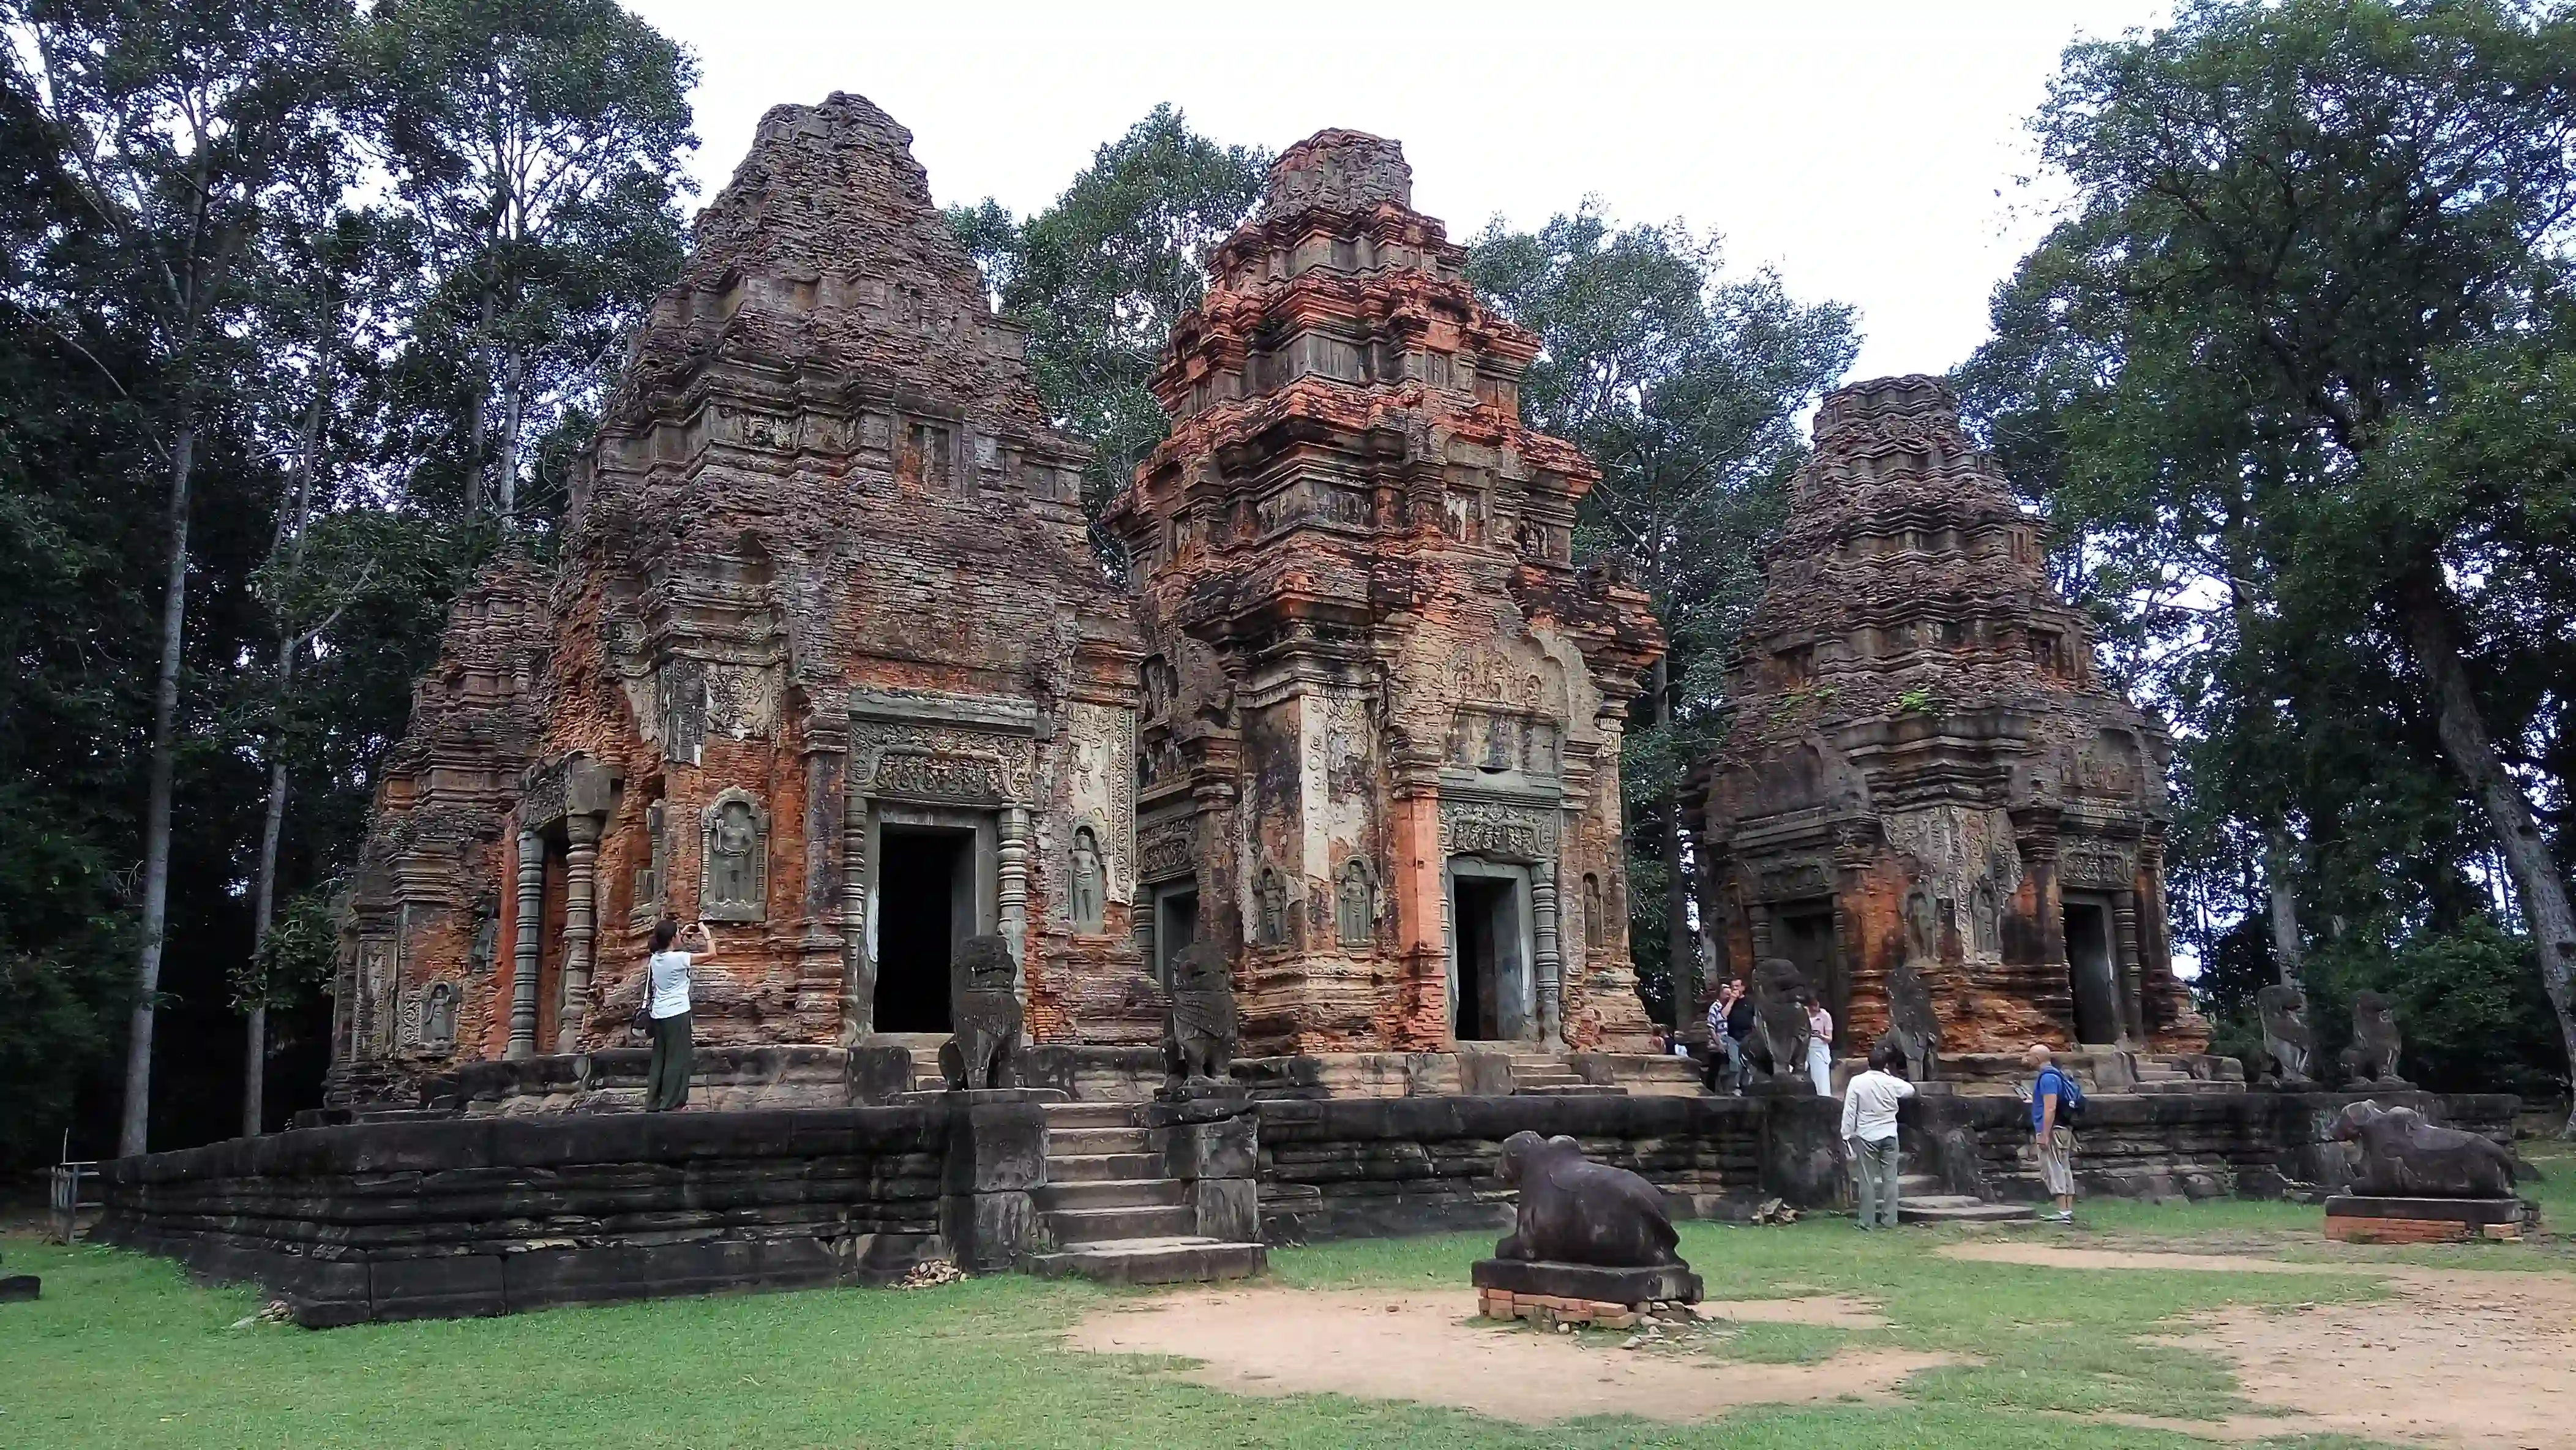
1916, 701
736, 881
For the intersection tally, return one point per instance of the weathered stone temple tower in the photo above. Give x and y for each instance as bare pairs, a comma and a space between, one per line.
1379, 755
828, 663
1929, 792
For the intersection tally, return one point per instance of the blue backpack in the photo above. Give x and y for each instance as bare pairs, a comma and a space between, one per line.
2070, 1097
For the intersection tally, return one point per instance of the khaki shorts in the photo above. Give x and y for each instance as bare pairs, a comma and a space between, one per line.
2057, 1162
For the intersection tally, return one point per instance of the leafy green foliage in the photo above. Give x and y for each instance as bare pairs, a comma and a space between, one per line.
1100, 276
2289, 374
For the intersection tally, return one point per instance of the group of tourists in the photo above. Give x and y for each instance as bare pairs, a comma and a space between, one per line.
1870, 1101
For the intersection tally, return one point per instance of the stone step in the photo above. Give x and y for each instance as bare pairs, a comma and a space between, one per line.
1097, 1225
1178, 1259
1082, 1142
1110, 1193
1060, 1116
1573, 1089
1958, 1208
1919, 1185
1100, 1167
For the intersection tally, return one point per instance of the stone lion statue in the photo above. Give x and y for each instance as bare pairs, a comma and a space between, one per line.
2286, 1039
1779, 1023
1575, 1211
1199, 1026
2371, 1060
984, 1014
2403, 1156
1914, 1027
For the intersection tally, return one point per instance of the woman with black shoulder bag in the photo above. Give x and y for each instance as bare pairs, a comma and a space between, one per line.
665, 1014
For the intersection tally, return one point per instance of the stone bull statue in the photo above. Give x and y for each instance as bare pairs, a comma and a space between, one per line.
2403, 1156
1575, 1211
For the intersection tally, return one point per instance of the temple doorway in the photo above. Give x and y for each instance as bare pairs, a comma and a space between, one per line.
2092, 973
1804, 933
1176, 925
926, 906
1488, 951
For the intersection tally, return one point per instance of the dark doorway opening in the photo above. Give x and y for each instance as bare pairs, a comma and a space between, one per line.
1484, 914
925, 907
1807, 938
1176, 925
2095, 980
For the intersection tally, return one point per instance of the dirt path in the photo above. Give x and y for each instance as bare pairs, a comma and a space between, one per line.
2461, 1357
1429, 1348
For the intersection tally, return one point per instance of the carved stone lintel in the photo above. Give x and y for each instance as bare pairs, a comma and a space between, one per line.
1497, 830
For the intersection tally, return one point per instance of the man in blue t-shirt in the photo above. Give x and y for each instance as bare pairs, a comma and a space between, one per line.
2051, 1139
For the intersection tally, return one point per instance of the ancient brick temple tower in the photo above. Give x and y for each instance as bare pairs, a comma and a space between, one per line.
827, 663
1379, 759
1926, 775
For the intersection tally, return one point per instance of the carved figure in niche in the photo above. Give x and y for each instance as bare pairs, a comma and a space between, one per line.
438, 1015
1779, 1039
2286, 1038
1922, 927
1595, 930
1274, 908
1089, 891
1914, 1026
1199, 1027
2403, 1156
1985, 917
735, 887
1575, 1211
2371, 1060
985, 1011
1355, 904
487, 932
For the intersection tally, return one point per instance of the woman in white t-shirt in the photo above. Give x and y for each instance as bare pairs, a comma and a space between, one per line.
666, 1083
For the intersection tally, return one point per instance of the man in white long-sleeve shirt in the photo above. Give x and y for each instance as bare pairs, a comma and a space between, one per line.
1869, 1131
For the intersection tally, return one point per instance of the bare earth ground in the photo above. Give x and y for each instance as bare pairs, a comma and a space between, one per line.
2466, 1357
1430, 1348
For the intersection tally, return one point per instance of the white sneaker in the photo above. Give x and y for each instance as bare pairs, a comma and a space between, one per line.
2062, 1216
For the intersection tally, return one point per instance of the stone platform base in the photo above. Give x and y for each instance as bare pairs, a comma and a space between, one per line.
1578, 1293
2353, 1219
20, 1288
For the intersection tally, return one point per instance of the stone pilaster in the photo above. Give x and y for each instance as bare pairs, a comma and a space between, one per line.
1551, 964
525, 948
581, 927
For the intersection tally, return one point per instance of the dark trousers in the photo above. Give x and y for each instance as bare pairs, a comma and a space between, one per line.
666, 1083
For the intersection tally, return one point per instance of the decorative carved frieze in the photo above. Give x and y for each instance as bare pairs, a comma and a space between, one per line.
1498, 830
2091, 862
1168, 849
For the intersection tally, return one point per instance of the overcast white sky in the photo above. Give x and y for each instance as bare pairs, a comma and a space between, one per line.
1868, 151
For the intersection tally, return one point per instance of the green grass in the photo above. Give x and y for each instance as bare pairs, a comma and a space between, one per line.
123, 1353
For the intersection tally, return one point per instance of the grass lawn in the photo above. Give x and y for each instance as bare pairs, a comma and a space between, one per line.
123, 1354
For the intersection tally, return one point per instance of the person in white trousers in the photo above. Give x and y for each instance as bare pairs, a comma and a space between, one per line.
1820, 1046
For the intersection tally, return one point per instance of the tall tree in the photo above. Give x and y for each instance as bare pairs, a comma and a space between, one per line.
1684, 386
178, 123
538, 145
2319, 230
1100, 276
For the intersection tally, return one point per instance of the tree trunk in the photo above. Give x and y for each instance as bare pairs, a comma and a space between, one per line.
1681, 953
514, 410
135, 1130
2427, 605
2277, 885
478, 427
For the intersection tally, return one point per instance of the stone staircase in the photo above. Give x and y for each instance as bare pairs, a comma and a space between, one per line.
1921, 1198
924, 1047
2155, 1076
1537, 1074
1112, 1213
